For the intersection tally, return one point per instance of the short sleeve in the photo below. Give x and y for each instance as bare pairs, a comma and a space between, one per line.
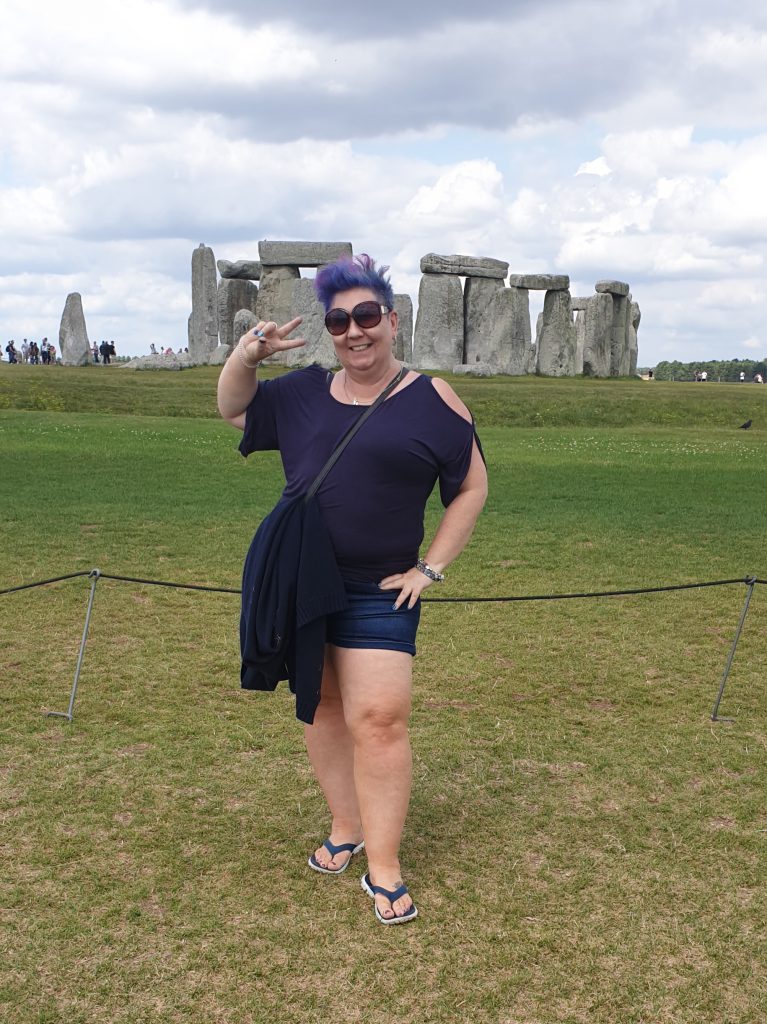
260, 433
455, 461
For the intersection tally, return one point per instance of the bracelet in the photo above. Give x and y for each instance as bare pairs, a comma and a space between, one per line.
241, 353
438, 577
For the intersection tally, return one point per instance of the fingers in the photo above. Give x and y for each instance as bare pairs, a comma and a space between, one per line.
410, 585
288, 327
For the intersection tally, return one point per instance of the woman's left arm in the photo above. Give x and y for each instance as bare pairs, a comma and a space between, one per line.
457, 524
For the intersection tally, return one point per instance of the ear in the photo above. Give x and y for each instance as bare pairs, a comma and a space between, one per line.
393, 320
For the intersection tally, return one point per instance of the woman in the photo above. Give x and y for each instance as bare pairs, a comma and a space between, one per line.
373, 504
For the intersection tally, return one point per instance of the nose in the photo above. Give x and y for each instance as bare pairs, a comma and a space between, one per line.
354, 330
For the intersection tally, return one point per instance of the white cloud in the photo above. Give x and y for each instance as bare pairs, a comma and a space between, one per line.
150, 127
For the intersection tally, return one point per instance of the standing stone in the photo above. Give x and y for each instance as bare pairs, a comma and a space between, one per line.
204, 331
244, 320
478, 294
438, 341
464, 266
598, 336
635, 317
505, 332
275, 299
556, 347
403, 342
619, 341
74, 346
580, 339
319, 346
234, 294
302, 254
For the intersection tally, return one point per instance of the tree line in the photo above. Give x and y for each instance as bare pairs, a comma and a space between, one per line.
717, 369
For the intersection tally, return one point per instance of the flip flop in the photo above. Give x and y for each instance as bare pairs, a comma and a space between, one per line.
332, 849
391, 895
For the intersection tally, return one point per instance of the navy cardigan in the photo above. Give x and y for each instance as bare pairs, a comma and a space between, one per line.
290, 583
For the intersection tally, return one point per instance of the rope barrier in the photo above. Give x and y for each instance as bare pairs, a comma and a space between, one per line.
95, 575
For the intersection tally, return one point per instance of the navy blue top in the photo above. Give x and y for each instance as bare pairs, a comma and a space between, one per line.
373, 499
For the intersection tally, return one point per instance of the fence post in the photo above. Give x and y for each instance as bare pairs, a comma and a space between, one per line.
750, 583
93, 575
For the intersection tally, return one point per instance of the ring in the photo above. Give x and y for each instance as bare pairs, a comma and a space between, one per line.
258, 334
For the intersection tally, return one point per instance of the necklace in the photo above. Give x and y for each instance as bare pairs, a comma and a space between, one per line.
355, 401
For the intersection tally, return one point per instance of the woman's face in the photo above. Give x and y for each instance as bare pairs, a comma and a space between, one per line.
361, 348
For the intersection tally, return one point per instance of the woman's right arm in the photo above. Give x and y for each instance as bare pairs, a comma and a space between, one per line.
238, 383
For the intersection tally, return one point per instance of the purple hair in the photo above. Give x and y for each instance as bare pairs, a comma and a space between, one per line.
357, 272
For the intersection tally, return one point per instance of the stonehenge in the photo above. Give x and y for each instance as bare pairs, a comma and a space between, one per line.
473, 316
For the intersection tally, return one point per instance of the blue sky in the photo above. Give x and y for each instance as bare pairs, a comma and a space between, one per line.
593, 138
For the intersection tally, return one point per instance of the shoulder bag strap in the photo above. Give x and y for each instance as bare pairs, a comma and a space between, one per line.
352, 431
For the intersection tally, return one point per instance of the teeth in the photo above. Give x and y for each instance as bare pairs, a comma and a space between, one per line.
358, 348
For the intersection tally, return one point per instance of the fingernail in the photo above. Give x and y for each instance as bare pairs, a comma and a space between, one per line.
394, 607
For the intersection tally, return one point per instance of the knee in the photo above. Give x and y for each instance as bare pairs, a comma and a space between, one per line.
379, 726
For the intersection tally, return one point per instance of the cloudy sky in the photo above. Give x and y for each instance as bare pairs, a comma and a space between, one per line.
599, 139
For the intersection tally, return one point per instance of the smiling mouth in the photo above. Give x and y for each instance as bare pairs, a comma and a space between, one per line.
359, 348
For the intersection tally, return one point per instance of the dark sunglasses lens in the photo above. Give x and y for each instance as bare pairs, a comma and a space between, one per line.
367, 314
337, 321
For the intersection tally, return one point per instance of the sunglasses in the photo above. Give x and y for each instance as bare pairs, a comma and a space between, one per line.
365, 315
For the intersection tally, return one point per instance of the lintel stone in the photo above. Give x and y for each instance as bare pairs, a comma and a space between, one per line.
464, 266
613, 287
302, 254
541, 282
579, 302
246, 270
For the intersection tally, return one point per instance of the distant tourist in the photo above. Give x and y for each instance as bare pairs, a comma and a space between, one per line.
742, 376
758, 378
106, 352
25, 351
650, 374
34, 353
152, 349
704, 376
10, 348
95, 352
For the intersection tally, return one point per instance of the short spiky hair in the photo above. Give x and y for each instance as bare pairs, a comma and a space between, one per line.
358, 272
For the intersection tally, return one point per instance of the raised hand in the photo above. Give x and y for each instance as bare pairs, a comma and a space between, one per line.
266, 338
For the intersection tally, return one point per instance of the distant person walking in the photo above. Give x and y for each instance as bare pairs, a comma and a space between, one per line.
10, 348
105, 353
25, 351
742, 376
95, 352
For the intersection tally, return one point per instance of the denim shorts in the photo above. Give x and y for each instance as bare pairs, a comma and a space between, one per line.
370, 622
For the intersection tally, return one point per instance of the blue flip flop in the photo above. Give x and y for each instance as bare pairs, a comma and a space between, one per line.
332, 849
391, 895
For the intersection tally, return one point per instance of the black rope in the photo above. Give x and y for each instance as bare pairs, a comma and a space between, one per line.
748, 580
177, 586
43, 583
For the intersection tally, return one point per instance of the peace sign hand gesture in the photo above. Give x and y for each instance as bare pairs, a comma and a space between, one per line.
266, 338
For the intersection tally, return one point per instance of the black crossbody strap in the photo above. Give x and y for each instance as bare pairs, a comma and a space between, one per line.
352, 431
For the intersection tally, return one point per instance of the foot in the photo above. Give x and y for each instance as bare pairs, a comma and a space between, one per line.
392, 882
340, 860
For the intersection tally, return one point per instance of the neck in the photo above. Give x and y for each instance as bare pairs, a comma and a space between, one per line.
373, 379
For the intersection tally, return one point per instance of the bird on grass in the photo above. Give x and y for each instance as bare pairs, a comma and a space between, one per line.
746, 425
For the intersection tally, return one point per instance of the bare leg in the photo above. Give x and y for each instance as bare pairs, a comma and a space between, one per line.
331, 752
375, 688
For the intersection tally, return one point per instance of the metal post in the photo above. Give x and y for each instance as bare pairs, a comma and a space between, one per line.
93, 575
750, 583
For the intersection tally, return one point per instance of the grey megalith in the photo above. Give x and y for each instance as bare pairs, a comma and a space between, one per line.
438, 338
73, 335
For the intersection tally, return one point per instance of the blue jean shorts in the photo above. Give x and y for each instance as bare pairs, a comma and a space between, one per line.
370, 622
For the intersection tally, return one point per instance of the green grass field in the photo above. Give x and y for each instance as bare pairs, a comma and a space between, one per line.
584, 844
